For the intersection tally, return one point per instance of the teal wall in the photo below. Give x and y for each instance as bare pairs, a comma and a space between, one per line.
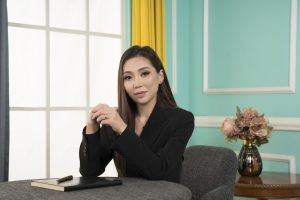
248, 47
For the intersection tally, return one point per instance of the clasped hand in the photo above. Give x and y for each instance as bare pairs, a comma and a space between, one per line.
102, 114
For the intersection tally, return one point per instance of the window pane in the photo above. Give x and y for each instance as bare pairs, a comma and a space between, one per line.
104, 60
68, 14
27, 67
110, 170
105, 16
67, 69
27, 153
27, 12
65, 137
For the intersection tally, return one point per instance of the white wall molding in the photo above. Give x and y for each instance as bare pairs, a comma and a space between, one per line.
279, 123
291, 160
281, 158
292, 60
255, 90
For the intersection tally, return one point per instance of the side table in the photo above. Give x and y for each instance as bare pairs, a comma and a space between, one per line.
268, 185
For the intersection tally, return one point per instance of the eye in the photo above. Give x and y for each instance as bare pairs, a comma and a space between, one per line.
127, 78
145, 73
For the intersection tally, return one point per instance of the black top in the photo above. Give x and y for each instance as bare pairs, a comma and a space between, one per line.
156, 154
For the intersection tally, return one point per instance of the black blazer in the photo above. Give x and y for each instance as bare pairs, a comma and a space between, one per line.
156, 154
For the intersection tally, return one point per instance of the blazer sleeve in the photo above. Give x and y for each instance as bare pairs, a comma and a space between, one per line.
153, 165
95, 152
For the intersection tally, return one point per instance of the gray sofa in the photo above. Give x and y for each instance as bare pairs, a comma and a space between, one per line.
209, 172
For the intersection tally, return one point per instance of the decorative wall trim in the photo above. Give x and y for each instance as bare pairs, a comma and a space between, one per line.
281, 158
174, 47
291, 160
255, 90
292, 60
279, 123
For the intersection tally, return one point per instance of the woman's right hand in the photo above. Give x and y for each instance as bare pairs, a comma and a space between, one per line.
92, 124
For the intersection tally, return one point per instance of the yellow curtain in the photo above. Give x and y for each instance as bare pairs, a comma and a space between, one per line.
148, 25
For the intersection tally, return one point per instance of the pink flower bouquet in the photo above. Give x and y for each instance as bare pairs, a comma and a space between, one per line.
248, 125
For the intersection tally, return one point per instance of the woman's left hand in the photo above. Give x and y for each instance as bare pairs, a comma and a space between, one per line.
112, 119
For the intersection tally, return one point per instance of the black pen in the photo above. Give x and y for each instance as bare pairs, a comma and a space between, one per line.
63, 179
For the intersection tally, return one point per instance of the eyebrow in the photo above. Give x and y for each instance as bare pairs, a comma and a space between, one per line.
141, 69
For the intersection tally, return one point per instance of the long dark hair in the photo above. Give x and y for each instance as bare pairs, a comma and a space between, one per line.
126, 106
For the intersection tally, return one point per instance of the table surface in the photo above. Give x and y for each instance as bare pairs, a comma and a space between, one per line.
132, 188
268, 185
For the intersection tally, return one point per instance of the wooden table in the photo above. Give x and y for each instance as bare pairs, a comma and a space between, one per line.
268, 185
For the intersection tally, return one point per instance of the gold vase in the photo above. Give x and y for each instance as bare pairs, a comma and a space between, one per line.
249, 160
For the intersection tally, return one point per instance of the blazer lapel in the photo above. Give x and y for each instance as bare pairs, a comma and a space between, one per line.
152, 128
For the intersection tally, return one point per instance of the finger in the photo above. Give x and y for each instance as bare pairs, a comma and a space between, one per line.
95, 115
98, 114
96, 108
103, 106
101, 118
100, 106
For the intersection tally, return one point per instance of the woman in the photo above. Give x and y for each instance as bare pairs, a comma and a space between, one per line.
147, 134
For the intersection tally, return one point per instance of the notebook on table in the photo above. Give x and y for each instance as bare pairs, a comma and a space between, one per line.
77, 183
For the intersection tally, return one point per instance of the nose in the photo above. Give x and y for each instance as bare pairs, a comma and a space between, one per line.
137, 83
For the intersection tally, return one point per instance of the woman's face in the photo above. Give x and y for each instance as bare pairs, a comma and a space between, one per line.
141, 81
